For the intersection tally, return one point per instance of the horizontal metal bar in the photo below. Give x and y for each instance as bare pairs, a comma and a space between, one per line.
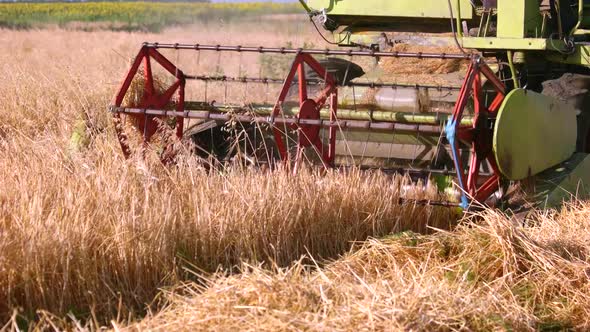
401, 85
284, 50
360, 113
424, 202
413, 172
265, 80
238, 79
292, 109
353, 124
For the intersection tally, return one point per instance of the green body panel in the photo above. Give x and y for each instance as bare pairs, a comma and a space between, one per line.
392, 8
585, 23
519, 19
533, 132
364, 37
367, 36
520, 25
559, 184
515, 44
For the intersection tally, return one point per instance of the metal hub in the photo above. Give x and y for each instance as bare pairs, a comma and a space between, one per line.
308, 134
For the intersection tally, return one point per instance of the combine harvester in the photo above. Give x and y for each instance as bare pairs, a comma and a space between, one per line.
510, 111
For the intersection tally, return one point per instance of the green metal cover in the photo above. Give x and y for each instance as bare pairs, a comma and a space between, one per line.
519, 19
393, 8
523, 44
533, 132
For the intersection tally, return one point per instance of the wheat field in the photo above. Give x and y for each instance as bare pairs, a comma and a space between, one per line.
89, 240
494, 275
89, 234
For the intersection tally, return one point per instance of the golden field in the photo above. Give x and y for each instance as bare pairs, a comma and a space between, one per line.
90, 240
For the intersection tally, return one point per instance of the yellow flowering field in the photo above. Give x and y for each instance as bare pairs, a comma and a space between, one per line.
132, 15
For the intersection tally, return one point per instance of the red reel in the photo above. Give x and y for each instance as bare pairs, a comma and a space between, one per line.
479, 136
309, 108
148, 125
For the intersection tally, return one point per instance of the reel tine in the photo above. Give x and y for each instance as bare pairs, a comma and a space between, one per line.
198, 61
344, 79
176, 74
365, 146
417, 146
297, 161
258, 131
261, 70
218, 64
403, 141
325, 78
440, 144
354, 107
390, 156
369, 131
342, 133
240, 74
177, 55
319, 154
416, 154
438, 147
285, 129
266, 92
248, 142
255, 147
225, 92
345, 142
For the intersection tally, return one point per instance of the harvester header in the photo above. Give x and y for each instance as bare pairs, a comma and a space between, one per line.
487, 97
